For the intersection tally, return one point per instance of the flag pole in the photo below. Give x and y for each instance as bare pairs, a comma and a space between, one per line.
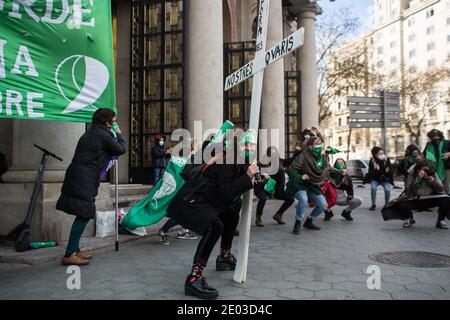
116, 179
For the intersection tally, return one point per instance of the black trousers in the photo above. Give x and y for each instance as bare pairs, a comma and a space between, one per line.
224, 225
261, 194
406, 208
288, 201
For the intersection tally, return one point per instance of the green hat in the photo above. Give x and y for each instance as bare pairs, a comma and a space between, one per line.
248, 137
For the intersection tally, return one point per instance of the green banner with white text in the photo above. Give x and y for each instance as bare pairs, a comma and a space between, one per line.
56, 59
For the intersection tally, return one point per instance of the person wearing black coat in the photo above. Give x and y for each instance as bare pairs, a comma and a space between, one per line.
93, 153
380, 173
211, 209
159, 158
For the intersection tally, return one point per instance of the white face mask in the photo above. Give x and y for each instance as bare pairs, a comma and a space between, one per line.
161, 143
382, 157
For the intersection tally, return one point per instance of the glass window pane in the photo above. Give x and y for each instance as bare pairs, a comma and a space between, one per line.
174, 15
135, 85
292, 87
173, 116
173, 83
152, 82
293, 124
135, 52
152, 50
293, 106
136, 20
234, 111
174, 48
135, 119
149, 142
152, 118
152, 17
135, 152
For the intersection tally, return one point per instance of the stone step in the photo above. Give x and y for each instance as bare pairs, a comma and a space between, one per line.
130, 194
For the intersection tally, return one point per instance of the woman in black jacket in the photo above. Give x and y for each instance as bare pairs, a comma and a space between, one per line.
94, 150
212, 211
380, 173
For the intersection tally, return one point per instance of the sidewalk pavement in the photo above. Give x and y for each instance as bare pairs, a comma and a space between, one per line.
327, 264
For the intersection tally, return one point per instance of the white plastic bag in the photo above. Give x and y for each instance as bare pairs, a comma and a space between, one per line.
105, 224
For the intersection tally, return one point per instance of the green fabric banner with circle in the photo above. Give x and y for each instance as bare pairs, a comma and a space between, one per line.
56, 59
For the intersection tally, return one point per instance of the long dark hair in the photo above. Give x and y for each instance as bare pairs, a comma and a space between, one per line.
103, 116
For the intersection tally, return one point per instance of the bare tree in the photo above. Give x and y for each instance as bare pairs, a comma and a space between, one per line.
332, 31
423, 92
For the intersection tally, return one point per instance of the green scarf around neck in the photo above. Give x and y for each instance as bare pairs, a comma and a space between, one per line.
438, 162
421, 182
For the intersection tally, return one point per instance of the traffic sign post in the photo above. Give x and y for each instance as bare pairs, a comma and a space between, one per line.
376, 112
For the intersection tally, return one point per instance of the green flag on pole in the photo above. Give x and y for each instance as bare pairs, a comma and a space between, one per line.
56, 59
152, 208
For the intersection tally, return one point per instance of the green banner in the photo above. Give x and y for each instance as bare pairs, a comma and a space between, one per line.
56, 59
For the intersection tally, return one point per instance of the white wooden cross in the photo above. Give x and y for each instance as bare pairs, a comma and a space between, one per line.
255, 68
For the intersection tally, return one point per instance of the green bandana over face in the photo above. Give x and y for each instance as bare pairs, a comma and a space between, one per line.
340, 166
420, 182
317, 151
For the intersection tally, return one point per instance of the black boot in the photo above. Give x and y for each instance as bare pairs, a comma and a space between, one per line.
346, 215
328, 215
310, 225
226, 263
200, 289
297, 227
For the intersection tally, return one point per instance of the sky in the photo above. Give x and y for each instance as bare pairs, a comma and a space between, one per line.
363, 9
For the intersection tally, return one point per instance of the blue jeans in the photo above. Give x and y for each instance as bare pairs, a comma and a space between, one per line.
157, 174
387, 186
302, 197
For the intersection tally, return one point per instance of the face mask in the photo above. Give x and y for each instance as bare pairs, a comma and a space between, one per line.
317, 149
340, 166
247, 154
414, 158
382, 157
161, 143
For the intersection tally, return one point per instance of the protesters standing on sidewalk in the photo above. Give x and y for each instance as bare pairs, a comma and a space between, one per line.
93, 153
380, 173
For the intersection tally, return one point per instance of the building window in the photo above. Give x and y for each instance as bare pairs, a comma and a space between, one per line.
380, 63
393, 59
340, 141
393, 44
448, 38
411, 22
430, 29
339, 122
433, 113
431, 63
292, 111
411, 37
430, 13
448, 21
430, 46
380, 50
339, 106
412, 53
157, 79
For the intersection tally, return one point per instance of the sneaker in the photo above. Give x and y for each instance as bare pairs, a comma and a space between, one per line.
186, 236
407, 223
163, 238
372, 208
441, 225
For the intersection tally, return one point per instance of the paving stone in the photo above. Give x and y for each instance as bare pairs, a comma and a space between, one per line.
424, 288
314, 285
296, 294
372, 295
332, 295
410, 295
260, 292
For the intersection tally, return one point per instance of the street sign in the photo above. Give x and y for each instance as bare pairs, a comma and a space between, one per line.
283, 48
375, 112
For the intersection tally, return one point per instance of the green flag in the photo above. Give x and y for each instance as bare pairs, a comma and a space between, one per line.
56, 59
153, 207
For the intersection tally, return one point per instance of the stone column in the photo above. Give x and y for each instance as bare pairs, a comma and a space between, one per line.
58, 137
306, 63
272, 109
204, 63
123, 81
